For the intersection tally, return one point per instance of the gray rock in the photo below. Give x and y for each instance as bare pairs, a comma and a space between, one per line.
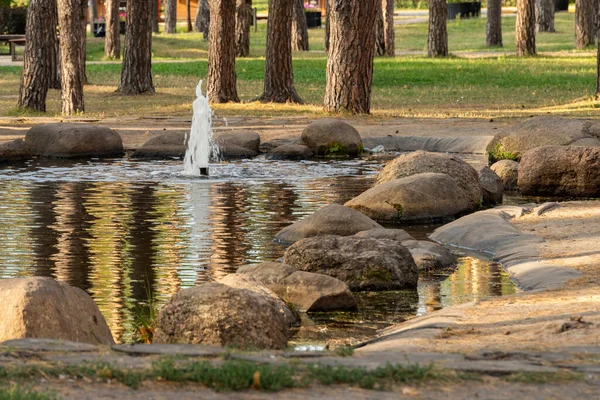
430, 256
561, 171
238, 144
492, 187
508, 171
362, 263
266, 147
170, 350
399, 235
417, 198
14, 150
542, 131
69, 140
219, 315
290, 152
330, 137
307, 291
544, 208
49, 345
167, 145
419, 162
37, 307
333, 219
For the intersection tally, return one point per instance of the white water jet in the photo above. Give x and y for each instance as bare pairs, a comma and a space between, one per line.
201, 146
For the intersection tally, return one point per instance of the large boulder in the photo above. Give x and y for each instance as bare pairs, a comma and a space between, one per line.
492, 187
417, 198
430, 256
362, 263
290, 152
14, 150
167, 145
70, 140
307, 291
561, 171
508, 171
238, 144
37, 307
220, 315
542, 131
331, 137
333, 219
419, 162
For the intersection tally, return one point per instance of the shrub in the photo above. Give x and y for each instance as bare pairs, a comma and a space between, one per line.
12, 20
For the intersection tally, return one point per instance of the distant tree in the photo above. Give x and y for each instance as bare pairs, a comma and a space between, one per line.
387, 7
437, 37
155, 12
379, 34
299, 27
202, 23
170, 16
83, 38
544, 15
221, 81
327, 24
112, 42
525, 28
93, 11
585, 28
243, 18
136, 73
72, 71
350, 62
39, 59
188, 6
279, 76
493, 30
598, 54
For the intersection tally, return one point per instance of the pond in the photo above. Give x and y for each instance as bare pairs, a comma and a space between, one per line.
135, 233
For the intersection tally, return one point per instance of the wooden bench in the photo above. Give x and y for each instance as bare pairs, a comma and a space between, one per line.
13, 41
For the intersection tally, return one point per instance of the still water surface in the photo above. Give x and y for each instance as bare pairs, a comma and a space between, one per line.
126, 231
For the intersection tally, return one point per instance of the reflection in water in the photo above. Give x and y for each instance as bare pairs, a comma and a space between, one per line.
127, 242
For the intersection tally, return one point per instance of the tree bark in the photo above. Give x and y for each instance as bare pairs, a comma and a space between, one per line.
493, 30
188, 6
585, 28
350, 61
83, 47
389, 35
279, 75
598, 53
544, 15
243, 17
155, 17
38, 62
221, 81
93, 11
525, 28
379, 33
112, 42
327, 24
72, 74
202, 23
299, 27
55, 67
136, 73
437, 37
170, 16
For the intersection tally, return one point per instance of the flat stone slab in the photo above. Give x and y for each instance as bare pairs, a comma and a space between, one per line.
468, 144
188, 350
49, 345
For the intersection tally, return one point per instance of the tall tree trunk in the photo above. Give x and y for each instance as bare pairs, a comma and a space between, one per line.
221, 81
170, 16
188, 6
243, 17
136, 73
544, 15
350, 61
55, 67
38, 63
83, 48
93, 11
72, 75
327, 24
437, 37
155, 17
598, 53
299, 27
202, 23
493, 30
112, 42
389, 34
525, 28
379, 33
279, 75
585, 28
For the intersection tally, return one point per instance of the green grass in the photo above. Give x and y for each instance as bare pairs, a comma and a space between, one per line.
16, 393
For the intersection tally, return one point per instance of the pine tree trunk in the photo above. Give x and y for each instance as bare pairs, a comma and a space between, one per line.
170, 16
112, 42
585, 28
93, 11
38, 63
83, 48
327, 24
437, 37
136, 73
350, 61
494, 23
72, 75
388, 27
243, 17
299, 27
155, 17
379, 34
221, 81
279, 75
544, 15
55, 68
525, 28
188, 6
202, 23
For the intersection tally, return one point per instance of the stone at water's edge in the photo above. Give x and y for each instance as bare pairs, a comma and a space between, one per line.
417, 198
419, 162
70, 140
307, 291
508, 171
290, 152
333, 219
561, 171
399, 235
14, 150
364, 264
238, 144
44, 308
492, 187
167, 145
219, 315
330, 137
